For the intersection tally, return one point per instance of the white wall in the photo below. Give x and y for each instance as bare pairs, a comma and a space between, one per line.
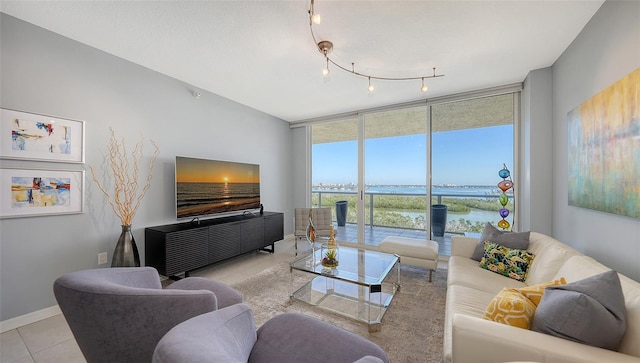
45, 73
606, 50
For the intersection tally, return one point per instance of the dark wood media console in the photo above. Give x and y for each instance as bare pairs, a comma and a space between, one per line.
179, 248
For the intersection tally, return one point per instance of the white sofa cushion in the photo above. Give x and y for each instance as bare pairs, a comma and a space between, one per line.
463, 300
550, 255
631, 291
467, 272
463, 246
483, 341
580, 267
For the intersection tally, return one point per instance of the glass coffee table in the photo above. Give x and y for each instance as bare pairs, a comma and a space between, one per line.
360, 287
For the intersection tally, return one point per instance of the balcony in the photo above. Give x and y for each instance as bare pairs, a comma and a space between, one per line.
397, 214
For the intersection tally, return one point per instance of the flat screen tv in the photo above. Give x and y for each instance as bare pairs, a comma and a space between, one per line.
207, 187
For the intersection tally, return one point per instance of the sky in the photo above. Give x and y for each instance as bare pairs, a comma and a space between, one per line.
462, 157
192, 170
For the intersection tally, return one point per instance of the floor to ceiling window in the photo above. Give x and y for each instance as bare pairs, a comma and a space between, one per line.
394, 168
334, 171
471, 141
395, 171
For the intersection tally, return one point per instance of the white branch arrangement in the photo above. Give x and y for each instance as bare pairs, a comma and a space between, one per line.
127, 195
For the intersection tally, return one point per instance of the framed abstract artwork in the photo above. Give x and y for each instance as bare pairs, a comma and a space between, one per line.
38, 192
604, 150
30, 136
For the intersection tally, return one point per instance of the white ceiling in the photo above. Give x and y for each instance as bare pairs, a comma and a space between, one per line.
261, 53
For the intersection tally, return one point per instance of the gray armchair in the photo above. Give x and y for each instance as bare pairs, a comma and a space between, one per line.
120, 314
229, 335
322, 220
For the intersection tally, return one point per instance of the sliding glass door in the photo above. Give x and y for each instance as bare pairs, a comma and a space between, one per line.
379, 174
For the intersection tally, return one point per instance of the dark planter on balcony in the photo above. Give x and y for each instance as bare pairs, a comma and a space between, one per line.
438, 219
341, 212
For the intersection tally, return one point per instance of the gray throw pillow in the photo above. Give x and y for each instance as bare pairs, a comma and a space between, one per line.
518, 241
590, 311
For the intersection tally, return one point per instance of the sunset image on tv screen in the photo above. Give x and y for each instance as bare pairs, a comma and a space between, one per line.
205, 187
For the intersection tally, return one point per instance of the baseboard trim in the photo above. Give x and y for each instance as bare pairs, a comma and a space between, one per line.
26, 319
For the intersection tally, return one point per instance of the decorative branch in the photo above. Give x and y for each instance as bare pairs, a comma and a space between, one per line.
127, 195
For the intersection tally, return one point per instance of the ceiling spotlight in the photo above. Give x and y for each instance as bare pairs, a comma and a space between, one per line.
196, 94
325, 47
313, 17
423, 88
370, 88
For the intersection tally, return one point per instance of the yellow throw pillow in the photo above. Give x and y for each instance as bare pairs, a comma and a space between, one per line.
535, 292
510, 307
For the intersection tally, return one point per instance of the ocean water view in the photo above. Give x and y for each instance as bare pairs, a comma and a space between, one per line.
461, 190
195, 199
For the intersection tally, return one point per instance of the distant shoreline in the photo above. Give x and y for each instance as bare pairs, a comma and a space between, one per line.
447, 189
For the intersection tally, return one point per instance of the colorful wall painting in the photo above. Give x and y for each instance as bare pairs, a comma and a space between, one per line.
39, 137
33, 192
604, 150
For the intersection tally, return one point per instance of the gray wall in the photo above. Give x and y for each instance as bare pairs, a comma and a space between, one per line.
45, 73
606, 50
536, 153
301, 156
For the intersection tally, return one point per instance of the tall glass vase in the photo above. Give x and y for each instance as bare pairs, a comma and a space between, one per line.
126, 252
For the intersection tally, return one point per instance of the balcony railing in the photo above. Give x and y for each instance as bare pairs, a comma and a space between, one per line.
327, 198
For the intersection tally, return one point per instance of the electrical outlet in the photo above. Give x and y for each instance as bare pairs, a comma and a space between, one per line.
102, 258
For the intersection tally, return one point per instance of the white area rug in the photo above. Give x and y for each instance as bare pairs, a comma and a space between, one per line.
412, 328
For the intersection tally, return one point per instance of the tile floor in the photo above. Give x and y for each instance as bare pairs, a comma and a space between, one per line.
51, 340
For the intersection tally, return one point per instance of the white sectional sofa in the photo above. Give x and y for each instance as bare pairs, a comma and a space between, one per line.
470, 338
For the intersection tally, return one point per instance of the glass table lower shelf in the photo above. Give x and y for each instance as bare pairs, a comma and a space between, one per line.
347, 299
361, 288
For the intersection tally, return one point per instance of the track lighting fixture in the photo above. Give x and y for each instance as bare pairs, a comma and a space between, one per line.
326, 46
